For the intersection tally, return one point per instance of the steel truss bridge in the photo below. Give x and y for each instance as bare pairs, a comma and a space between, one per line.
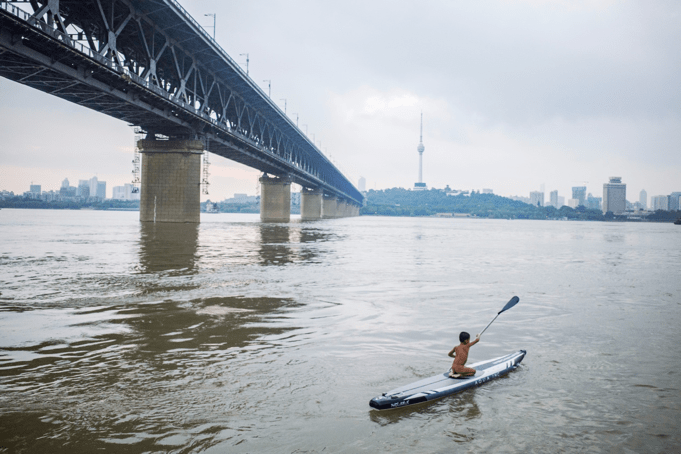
149, 63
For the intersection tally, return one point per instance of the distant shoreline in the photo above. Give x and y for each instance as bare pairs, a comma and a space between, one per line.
473, 217
104, 205
439, 203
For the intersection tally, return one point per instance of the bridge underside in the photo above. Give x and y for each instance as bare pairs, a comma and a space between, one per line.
106, 92
249, 129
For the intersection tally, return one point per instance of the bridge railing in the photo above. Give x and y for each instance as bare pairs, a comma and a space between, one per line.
122, 69
223, 53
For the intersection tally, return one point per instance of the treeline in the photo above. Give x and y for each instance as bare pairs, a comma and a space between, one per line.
109, 204
224, 207
403, 202
664, 216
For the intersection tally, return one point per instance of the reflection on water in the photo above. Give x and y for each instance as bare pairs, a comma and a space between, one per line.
219, 323
274, 244
168, 247
464, 405
159, 360
282, 244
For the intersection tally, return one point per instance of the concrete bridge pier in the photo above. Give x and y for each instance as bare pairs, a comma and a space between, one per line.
329, 207
342, 208
275, 199
311, 201
171, 180
333, 208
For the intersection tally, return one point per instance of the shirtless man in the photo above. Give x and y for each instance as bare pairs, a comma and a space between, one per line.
460, 355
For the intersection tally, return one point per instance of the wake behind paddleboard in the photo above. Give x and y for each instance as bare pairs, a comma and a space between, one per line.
442, 385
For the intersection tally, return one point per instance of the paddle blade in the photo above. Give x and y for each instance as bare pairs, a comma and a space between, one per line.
510, 304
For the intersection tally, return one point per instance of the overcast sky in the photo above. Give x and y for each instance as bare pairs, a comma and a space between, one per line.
514, 94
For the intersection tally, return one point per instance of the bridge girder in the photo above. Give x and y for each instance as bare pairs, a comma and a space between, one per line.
147, 62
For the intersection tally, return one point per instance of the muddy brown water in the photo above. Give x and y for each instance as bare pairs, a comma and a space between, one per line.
237, 336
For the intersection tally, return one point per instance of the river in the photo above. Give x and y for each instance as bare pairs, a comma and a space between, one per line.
236, 336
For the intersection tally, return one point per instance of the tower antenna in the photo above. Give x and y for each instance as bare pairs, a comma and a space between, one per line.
420, 185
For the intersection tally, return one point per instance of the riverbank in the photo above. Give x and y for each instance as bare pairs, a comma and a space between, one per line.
19, 202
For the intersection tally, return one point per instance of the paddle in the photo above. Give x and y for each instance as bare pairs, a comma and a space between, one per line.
509, 305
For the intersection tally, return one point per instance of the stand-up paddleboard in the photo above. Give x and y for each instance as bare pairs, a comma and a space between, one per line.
441, 385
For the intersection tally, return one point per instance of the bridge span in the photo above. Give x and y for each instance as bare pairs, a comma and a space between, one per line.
150, 64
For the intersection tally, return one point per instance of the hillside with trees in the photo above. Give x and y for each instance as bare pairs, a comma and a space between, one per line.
404, 202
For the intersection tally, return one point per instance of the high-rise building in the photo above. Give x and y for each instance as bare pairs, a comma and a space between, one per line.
101, 189
93, 186
675, 201
50, 196
420, 185
36, 190
643, 199
362, 184
118, 193
83, 189
659, 202
67, 192
579, 193
614, 196
553, 199
537, 198
593, 203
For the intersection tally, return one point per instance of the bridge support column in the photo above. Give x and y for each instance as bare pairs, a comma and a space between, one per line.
171, 180
330, 207
275, 199
342, 209
311, 204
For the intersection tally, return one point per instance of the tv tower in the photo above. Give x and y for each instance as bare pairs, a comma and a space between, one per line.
420, 185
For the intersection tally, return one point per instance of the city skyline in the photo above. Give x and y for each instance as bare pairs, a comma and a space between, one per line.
576, 108
580, 195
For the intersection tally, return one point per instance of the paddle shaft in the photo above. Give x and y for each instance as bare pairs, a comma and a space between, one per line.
509, 305
495, 317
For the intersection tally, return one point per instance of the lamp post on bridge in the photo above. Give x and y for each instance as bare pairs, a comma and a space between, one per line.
284, 99
241, 55
214, 18
269, 87
296, 118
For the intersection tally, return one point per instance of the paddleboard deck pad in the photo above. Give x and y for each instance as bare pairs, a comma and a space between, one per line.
442, 385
